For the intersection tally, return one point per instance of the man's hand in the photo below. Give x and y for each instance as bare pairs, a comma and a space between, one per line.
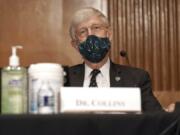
170, 107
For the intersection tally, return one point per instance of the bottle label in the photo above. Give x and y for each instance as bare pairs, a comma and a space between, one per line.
15, 83
46, 104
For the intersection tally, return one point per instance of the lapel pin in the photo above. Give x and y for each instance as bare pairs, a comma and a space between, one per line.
117, 78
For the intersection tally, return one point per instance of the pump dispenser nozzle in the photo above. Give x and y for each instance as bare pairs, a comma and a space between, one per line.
14, 59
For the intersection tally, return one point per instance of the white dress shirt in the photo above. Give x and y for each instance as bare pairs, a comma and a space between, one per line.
102, 79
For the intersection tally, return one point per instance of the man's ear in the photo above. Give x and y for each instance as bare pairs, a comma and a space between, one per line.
74, 44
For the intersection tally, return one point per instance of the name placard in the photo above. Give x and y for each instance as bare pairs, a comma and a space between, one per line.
84, 99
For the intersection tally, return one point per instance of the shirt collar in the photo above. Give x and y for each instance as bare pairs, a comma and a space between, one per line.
104, 70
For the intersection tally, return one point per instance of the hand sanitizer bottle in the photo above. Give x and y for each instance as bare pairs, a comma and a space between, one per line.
14, 86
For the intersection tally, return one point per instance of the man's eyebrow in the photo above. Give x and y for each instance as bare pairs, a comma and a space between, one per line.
91, 25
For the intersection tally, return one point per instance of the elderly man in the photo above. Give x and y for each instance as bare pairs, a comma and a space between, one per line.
91, 36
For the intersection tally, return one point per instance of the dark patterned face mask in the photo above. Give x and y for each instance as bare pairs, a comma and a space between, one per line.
94, 48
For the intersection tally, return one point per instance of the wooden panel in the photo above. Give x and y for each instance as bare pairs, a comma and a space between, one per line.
149, 31
41, 26
167, 97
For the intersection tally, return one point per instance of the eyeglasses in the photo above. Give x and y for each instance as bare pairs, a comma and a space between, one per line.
95, 29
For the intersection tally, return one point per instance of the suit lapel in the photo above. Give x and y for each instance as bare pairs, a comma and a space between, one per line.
78, 76
115, 76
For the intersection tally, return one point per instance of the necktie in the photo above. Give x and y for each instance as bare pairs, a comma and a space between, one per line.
93, 82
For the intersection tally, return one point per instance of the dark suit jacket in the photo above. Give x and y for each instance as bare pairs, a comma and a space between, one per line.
129, 77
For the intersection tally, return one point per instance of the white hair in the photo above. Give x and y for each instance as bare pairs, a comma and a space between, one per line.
82, 15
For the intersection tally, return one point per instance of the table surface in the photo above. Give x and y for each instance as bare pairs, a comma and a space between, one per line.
90, 124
